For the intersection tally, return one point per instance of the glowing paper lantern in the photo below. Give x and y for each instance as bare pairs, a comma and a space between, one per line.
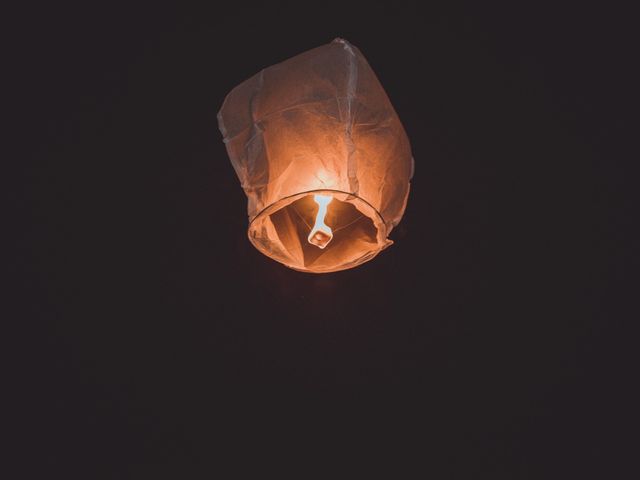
322, 157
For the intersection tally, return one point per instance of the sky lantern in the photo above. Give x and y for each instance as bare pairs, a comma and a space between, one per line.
322, 157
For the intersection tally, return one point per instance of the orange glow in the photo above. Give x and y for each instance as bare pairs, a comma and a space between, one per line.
321, 234
315, 137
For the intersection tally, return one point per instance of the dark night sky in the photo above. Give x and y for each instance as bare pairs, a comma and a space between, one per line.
153, 341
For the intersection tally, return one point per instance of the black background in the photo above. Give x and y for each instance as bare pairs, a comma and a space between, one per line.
486, 343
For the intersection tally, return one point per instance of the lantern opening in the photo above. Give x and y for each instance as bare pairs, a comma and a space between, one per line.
321, 234
295, 231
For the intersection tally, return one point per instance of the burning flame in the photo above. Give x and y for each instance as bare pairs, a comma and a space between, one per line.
321, 234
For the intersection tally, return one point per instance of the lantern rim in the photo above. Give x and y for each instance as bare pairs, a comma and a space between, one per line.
366, 210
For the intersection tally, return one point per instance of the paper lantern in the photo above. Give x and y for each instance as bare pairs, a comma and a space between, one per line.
322, 157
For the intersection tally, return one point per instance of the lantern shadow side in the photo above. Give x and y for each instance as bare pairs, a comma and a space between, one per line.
280, 232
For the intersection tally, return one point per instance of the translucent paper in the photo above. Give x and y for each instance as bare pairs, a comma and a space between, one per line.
318, 123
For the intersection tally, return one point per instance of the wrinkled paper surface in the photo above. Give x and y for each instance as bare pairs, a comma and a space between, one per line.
318, 121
